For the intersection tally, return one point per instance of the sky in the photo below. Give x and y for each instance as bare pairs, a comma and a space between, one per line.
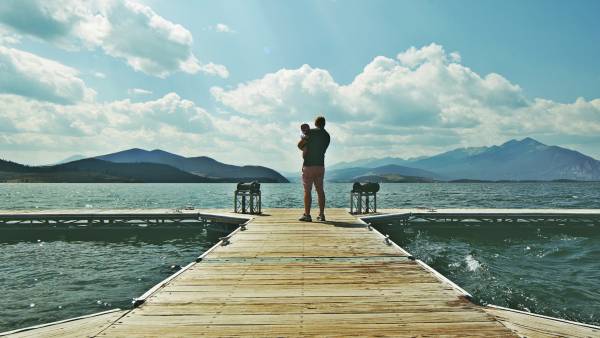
235, 79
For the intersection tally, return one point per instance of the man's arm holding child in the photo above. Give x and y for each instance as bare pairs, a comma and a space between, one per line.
302, 143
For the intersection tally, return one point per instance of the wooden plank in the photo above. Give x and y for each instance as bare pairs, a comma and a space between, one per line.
282, 277
307, 305
76, 327
531, 325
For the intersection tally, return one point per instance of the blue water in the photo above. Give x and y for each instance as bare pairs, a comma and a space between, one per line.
220, 195
545, 268
56, 275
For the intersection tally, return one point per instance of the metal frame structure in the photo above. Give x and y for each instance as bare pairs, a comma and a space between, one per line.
511, 216
247, 202
117, 219
359, 199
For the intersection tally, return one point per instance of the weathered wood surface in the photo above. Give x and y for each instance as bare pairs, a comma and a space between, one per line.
493, 211
531, 325
86, 326
282, 277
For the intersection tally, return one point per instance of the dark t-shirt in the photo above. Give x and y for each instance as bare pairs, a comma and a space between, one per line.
318, 141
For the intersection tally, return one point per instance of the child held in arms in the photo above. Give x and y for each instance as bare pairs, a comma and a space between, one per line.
305, 129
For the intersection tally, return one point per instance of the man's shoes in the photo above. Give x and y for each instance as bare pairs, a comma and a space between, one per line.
305, 218
321, 218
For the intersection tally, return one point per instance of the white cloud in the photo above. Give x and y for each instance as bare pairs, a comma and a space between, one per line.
92, 118
147, 41
413, 57
7, 37
220, 28
43, 132
422, 102
32, 76
123, 29
286, 94
138, 91
42, 126
223, 28
99, 75
215, 69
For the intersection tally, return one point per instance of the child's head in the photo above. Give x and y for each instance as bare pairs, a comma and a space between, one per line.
305, 128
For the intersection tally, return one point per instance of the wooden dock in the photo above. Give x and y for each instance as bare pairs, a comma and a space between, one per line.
111, 217
279, 277
486, 215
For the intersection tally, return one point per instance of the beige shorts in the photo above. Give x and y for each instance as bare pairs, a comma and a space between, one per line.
313, 175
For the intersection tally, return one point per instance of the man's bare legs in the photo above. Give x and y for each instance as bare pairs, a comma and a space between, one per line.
321, 197
313, 175
307, 183
307, 201
320, 192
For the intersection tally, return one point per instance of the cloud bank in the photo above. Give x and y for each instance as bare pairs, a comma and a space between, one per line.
172, 123
126, 29
422, 101
32, 76
50, 126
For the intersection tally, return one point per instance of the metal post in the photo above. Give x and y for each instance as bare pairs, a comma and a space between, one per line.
360, 197
235, 201
375, 202
260, 202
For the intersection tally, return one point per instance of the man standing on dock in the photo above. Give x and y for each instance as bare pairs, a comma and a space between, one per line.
313, 168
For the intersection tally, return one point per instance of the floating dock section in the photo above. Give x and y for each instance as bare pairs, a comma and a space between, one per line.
109, 217
277, 277
486, 215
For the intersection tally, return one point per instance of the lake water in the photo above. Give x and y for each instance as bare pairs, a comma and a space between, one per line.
220, 195
55, 276
545, 268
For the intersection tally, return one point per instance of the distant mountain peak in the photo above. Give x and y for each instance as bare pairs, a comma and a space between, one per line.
71, 159
159, 151
205, 159
528, 141
531, 140
131, 151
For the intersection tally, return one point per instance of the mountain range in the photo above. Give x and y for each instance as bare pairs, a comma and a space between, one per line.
515, 160
138, 165
201, 166
94, 170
